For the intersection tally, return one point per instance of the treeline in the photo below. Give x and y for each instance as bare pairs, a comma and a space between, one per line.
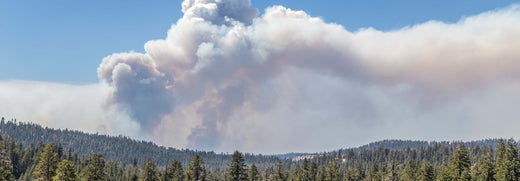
49, 162
119, 148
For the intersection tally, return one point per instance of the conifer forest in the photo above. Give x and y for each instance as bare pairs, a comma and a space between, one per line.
31, 152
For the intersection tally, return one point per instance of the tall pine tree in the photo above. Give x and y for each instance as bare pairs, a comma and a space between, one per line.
46, 168
237, 170
196, 170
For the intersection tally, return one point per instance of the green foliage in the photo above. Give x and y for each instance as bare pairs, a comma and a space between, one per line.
332, 172
237, 170
279, 173
313, 171
508, 163
196, 170
484, 170
65, 171
253, 174
174, 172
149, 171
6, 168
410, 172
444, 174
427, 172
96, 168
460, 162
46, 168
23, 153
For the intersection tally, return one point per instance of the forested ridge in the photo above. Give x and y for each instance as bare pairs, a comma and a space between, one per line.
30, 152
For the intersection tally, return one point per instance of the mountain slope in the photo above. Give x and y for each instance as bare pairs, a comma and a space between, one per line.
118, 148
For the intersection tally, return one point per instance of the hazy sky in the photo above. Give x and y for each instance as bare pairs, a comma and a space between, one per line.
234, 74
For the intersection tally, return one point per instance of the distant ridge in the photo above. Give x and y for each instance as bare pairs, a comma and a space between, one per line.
119, 148
124, 149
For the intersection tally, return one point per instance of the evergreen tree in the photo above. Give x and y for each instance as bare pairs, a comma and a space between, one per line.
149, 171
176, 171
444, 174
373, 172
237, 170
65, 171
305, 172
96, 168
508, 163
196, 170
46, 168
6, 168
135, 170
279, 172
410, 172
313, 171
332, 172
427, 172
253, 174
393, 172
460, 161
484, 170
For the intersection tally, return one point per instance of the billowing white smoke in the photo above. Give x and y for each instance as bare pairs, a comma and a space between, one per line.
225, 78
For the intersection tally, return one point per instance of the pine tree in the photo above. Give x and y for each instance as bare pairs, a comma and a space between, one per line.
46, 168
96, 168
305, 173
332, 172
279, 172
196, 170
444, 174
237, 170
484, 170
149, 171
393, 172
176, 171
6, 168
508, 163
253, 174
313, 171
65, 171
460, 161
409, 172
135, 170
427, 172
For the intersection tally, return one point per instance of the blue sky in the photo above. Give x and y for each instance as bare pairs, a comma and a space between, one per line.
64, 41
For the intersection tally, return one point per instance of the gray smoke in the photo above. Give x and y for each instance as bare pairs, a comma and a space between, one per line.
225, 78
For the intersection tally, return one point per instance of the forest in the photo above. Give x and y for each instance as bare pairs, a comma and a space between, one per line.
31, 152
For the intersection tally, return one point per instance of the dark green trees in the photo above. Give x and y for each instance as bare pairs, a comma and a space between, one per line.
65, 171
484, 170
174, 172
279, 173
96, 168
253, 174
332, 172
196, 170
304, 171
426, 172
46, 168
508, 163
460, 163
6, 168
149, 171
237, 170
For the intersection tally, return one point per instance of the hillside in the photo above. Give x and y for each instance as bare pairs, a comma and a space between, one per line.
23, 145
119, 148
